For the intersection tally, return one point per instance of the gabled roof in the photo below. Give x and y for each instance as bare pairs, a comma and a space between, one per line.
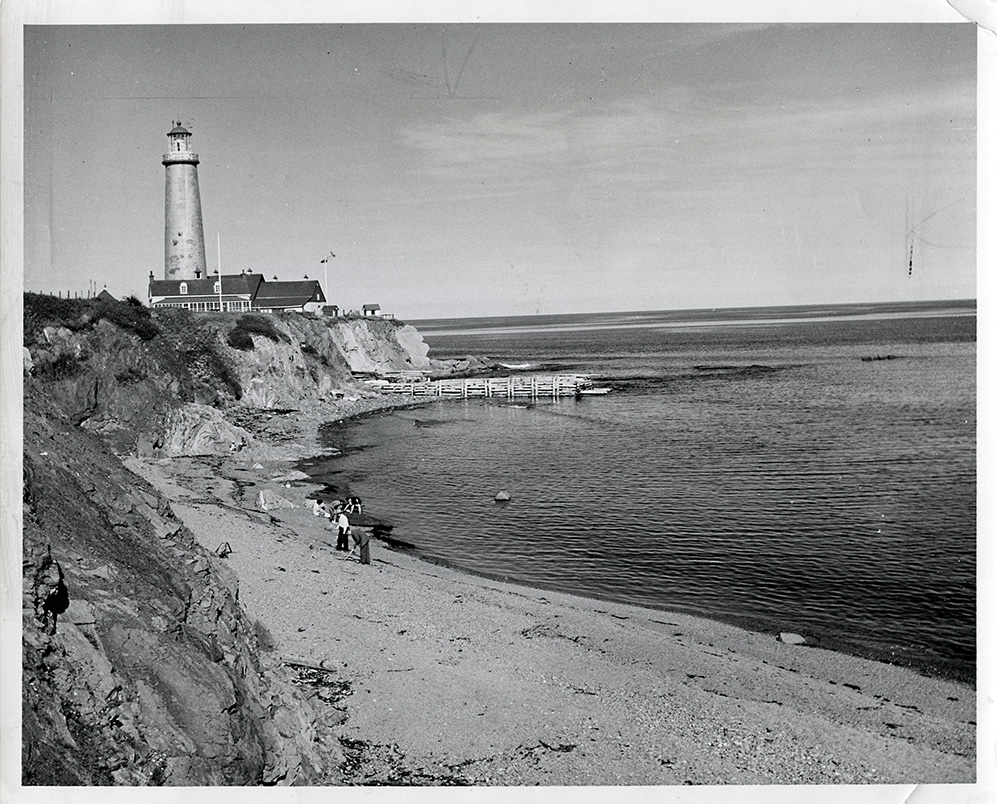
242, 284
253, 281
372, 307
253, 286
288, 294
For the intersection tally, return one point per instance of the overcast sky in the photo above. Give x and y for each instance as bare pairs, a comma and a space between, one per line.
514, 169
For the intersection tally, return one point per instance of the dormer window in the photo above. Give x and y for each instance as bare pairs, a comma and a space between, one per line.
218, 287
183, 288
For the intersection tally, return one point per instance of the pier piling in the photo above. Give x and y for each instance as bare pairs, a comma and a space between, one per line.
532, 387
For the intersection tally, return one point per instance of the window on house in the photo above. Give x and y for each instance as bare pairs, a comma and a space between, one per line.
218, 287
183, 288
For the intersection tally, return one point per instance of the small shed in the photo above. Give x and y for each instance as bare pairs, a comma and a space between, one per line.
372, 309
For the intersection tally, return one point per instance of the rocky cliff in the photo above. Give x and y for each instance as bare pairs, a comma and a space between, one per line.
140, 666
157, 380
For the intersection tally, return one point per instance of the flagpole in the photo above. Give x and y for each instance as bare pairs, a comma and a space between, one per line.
220, 305
325, 263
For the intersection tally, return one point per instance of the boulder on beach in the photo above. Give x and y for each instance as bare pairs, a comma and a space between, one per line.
268, 500
201, 430
291, 476
502, 496
791, 638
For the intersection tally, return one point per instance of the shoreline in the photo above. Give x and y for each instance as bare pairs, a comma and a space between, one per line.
949, 672
733, 621
455, 677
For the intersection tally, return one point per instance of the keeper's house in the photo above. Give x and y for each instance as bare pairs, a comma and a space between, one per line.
237, 293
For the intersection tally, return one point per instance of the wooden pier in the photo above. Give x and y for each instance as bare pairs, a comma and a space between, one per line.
521, 387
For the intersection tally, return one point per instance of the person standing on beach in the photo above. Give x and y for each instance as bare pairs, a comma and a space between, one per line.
343, 539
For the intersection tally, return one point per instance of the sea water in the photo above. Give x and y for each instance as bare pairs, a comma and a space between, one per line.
810, 470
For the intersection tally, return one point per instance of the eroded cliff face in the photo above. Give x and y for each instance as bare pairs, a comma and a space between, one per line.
157, 393
373, 346
140, 665
320, 357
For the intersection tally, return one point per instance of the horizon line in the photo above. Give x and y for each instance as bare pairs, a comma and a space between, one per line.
962, 300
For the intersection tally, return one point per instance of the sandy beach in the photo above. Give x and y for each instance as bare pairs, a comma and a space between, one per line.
434, 676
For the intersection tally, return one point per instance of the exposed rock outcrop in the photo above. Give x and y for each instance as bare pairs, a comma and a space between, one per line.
140, 667
152, 388
201, 430
368, 351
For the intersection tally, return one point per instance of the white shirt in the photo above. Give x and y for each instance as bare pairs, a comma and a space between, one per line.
343, 522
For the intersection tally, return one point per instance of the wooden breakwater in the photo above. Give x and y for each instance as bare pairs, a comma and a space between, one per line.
529, 387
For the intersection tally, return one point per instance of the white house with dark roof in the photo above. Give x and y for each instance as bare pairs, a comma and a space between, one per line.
237, 293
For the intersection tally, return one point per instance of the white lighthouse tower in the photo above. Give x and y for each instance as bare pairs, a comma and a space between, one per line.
184, 229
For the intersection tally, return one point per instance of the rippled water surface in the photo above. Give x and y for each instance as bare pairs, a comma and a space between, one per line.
760, 472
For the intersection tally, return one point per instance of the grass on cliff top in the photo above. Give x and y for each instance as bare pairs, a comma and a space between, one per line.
248, 325
78, 315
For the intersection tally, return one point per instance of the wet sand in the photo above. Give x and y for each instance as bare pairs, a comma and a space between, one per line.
449, 677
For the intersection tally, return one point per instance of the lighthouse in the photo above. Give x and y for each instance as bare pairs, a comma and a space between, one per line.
184, 229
